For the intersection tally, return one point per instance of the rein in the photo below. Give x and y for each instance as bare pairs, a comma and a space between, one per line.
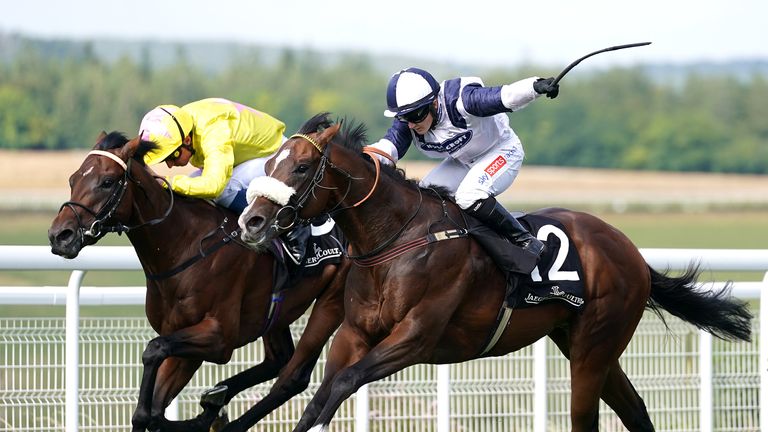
98, 228
379, 254
228, 237
296, 205
372, 152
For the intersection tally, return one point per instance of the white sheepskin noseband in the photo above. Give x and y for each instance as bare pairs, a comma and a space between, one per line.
270, 188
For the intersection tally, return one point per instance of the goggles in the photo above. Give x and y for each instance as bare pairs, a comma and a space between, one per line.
173, 156
416, 116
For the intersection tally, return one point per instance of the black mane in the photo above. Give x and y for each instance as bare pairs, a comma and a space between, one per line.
116, 139
354, 137
351, 136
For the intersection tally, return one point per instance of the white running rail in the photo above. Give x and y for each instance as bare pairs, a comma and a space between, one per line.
124, 258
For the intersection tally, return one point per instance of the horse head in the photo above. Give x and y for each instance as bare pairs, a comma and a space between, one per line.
101, 197
298, 185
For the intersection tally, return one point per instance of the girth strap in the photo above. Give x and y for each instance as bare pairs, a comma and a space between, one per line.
405, 247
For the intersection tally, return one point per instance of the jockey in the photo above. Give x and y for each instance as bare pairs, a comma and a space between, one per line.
228, 142
466, 125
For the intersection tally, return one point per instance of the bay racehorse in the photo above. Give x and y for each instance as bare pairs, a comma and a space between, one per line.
207, 294
410, 299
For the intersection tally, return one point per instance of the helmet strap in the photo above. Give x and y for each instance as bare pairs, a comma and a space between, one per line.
433, 111
178, 125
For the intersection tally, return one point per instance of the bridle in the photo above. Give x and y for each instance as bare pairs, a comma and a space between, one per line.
297, 202
101, 226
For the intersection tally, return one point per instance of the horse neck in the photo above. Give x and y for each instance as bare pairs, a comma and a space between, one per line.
171, 235
389, 208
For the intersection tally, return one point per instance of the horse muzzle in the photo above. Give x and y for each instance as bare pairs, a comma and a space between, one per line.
65, 242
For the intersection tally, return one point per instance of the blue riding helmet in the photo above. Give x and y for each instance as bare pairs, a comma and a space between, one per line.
409, 90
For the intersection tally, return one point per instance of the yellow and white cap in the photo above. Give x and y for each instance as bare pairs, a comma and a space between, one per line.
166, 126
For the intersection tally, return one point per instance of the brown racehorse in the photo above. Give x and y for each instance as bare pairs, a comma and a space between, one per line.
207, 294
438, 303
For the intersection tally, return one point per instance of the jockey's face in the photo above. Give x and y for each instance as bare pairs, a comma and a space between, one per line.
421, 127
185, 154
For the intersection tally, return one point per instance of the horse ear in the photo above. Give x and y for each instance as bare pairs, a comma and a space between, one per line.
328, 134
129, 149
99, 138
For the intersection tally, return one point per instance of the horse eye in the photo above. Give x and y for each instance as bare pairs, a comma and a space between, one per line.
107, 183
302, 168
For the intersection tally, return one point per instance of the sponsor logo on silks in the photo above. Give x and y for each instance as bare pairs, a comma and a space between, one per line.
555, 293
495, 166
484, 178
510, 154
321, 254
451, 145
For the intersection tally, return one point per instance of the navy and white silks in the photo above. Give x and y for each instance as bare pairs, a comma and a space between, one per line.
481, 153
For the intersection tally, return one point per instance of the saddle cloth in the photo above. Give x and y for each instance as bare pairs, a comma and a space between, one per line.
325, 246
558, 275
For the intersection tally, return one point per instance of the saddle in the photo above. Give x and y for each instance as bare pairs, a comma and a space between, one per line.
558, 275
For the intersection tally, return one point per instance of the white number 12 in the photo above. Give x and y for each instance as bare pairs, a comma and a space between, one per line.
554, 273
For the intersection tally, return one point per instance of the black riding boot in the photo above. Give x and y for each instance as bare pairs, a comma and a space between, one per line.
295, 242
493, 214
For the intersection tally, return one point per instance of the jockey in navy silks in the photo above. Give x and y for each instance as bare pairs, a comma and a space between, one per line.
466, 125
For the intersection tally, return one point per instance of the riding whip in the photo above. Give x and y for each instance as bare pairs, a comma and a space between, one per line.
613, 48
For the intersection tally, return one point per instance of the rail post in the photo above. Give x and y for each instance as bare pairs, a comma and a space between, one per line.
72, 369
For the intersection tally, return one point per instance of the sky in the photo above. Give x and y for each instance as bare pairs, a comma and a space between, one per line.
483, 32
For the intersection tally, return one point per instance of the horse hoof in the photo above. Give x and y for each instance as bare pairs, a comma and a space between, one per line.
216, 396
220, 421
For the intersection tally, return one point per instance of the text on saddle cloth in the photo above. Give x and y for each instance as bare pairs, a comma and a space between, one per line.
325, 246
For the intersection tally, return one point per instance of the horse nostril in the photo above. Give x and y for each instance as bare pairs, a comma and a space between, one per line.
255, 223
64, 236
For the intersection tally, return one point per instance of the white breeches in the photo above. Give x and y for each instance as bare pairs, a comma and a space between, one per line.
241, 178
489, 175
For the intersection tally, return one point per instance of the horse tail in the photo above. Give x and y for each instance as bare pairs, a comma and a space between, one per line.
715, 312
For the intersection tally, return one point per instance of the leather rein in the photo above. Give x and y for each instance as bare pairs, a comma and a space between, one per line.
379, 254
101, 226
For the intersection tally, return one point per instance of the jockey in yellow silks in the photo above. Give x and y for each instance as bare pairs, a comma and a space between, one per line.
228, 141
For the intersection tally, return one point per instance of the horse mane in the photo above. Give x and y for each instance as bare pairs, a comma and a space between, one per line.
117, 139
354, 136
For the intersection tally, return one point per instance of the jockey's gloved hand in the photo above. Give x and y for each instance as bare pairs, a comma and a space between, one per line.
544, 86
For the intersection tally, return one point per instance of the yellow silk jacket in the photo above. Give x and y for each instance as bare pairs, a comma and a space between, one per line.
225, 134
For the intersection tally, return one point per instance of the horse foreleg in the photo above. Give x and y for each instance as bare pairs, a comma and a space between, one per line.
408, 343
294, 377
347, 348
196, 342
154, 354
278, 349
174, 374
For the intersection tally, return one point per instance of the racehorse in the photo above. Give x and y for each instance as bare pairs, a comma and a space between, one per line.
207, 294
413, 300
